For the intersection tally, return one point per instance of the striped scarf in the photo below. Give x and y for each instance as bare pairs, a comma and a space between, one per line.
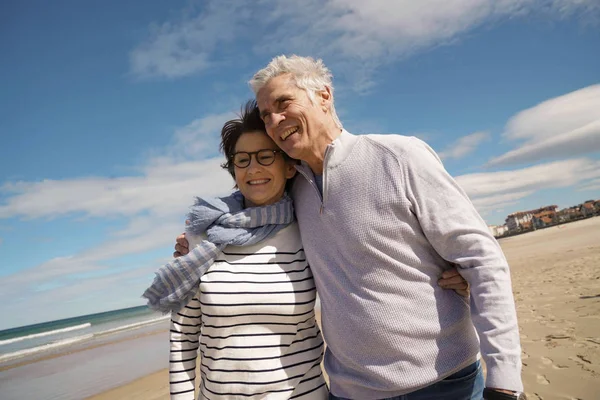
224, 221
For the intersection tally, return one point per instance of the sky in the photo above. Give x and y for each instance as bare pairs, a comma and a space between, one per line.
110, 114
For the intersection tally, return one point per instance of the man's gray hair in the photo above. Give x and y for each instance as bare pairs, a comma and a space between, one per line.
308, 74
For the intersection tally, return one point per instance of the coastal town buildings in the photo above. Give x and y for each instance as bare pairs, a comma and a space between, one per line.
523, 220
543, 217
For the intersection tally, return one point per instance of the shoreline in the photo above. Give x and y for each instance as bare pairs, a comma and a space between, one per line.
20, 362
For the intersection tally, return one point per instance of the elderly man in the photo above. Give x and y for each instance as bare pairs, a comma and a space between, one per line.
381, 220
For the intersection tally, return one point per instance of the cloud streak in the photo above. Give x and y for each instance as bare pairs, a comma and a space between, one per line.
565, 126
497, 189
371, 34
152, 204
464, 146
186, 45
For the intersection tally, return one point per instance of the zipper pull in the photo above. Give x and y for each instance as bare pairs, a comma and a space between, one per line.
321, 211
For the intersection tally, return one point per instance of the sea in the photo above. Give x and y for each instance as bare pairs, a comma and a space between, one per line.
78, 357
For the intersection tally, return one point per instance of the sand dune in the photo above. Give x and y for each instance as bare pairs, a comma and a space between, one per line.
556, 281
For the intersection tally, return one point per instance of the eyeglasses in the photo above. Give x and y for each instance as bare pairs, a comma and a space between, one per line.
264, 157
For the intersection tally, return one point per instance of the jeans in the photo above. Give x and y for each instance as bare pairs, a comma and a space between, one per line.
466, 384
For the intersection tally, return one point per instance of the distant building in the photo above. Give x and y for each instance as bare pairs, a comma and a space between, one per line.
522, 221
568, 214
498, 230
544, 219
588, 209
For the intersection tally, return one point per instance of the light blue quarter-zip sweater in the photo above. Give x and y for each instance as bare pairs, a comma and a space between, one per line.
389, 222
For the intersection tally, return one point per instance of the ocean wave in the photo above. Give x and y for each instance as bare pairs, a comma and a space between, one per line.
38, 349
131, 326
47, 333
70, 341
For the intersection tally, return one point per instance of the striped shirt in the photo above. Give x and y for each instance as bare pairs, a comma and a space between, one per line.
253, 323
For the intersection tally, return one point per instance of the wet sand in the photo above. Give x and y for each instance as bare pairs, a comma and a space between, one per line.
556, 281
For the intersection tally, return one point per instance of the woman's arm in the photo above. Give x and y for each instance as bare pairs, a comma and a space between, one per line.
450, 279
185, 331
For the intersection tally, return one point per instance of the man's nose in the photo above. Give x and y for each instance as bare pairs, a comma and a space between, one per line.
275, 119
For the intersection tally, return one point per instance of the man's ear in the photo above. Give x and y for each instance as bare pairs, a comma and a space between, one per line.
325, 98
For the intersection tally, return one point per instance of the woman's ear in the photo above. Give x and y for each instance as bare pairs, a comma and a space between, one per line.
290, 169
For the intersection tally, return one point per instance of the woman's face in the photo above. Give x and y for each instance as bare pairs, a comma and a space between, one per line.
261, 184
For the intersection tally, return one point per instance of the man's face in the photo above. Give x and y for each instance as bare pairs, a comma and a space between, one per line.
291, 119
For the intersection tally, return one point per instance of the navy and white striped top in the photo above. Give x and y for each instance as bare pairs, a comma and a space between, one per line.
253, 324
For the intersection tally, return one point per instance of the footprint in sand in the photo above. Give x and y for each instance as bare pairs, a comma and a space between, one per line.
546, 361
541, 379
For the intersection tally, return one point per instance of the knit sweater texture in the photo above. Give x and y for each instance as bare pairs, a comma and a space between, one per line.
389, 222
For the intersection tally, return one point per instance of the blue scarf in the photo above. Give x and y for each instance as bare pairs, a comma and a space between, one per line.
225, 221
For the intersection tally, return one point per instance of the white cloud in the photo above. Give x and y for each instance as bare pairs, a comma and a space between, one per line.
74, 297
497, 189
486, 204
159, 191
152, 204
371, 33
565, 126
464, 145
186, 45
164, 186
199, 136
591, 185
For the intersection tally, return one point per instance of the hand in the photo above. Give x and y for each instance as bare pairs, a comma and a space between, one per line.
502, 390
181, 246
452, 280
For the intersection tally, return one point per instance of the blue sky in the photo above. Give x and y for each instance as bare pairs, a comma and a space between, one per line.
110, 113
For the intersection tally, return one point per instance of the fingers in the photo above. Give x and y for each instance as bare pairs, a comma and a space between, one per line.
455, 280
181, 250
456, 286
463, 293
182, 241
450, 273
181, 246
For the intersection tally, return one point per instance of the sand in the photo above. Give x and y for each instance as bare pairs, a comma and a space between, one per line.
556, 281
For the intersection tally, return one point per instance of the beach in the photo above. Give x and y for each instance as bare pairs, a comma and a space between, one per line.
556, 282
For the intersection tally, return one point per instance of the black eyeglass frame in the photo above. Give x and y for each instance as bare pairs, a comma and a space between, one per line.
255, 154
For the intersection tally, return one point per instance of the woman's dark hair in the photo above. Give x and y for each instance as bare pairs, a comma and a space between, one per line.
248, 121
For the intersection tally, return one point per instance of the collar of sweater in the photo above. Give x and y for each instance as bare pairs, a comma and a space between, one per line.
335, 153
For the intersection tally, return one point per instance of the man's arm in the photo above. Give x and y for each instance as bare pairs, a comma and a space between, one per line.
184, 333
459, 234
450, 279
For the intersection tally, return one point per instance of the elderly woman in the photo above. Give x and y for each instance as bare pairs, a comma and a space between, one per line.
244, 295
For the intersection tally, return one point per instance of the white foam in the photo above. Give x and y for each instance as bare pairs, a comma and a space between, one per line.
48, 333
66, 342
38, 349
132, 326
